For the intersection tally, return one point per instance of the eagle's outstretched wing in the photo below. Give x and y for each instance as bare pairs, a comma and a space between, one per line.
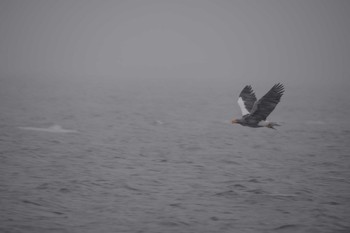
264, 106
246, 100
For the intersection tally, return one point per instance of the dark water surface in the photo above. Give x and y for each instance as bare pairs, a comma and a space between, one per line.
160, 156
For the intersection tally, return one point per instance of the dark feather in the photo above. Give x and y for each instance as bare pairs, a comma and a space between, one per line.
264, 106
248, 97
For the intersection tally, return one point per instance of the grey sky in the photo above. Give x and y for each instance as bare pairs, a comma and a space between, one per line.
274, 40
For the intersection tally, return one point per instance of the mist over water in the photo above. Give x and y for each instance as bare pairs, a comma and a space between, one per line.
115, 116
261, 41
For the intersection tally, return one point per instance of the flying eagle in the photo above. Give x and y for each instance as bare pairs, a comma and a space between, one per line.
254, 113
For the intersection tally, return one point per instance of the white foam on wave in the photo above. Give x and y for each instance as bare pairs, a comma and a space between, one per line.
51, 129
158, 122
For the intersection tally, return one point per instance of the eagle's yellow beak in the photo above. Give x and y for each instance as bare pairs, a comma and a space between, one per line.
234, 121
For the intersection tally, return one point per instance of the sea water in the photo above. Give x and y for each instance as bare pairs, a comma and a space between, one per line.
153, 155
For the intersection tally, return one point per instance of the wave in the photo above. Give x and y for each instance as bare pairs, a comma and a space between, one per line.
315, 122
51, 129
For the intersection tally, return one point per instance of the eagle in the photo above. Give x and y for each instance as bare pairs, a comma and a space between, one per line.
255, 112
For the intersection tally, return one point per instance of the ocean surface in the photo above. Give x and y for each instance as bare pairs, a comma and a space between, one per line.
150, 155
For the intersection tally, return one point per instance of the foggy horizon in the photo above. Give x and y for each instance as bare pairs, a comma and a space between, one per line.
294, 42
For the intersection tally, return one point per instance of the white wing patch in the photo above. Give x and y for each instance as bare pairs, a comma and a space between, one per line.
242, 106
